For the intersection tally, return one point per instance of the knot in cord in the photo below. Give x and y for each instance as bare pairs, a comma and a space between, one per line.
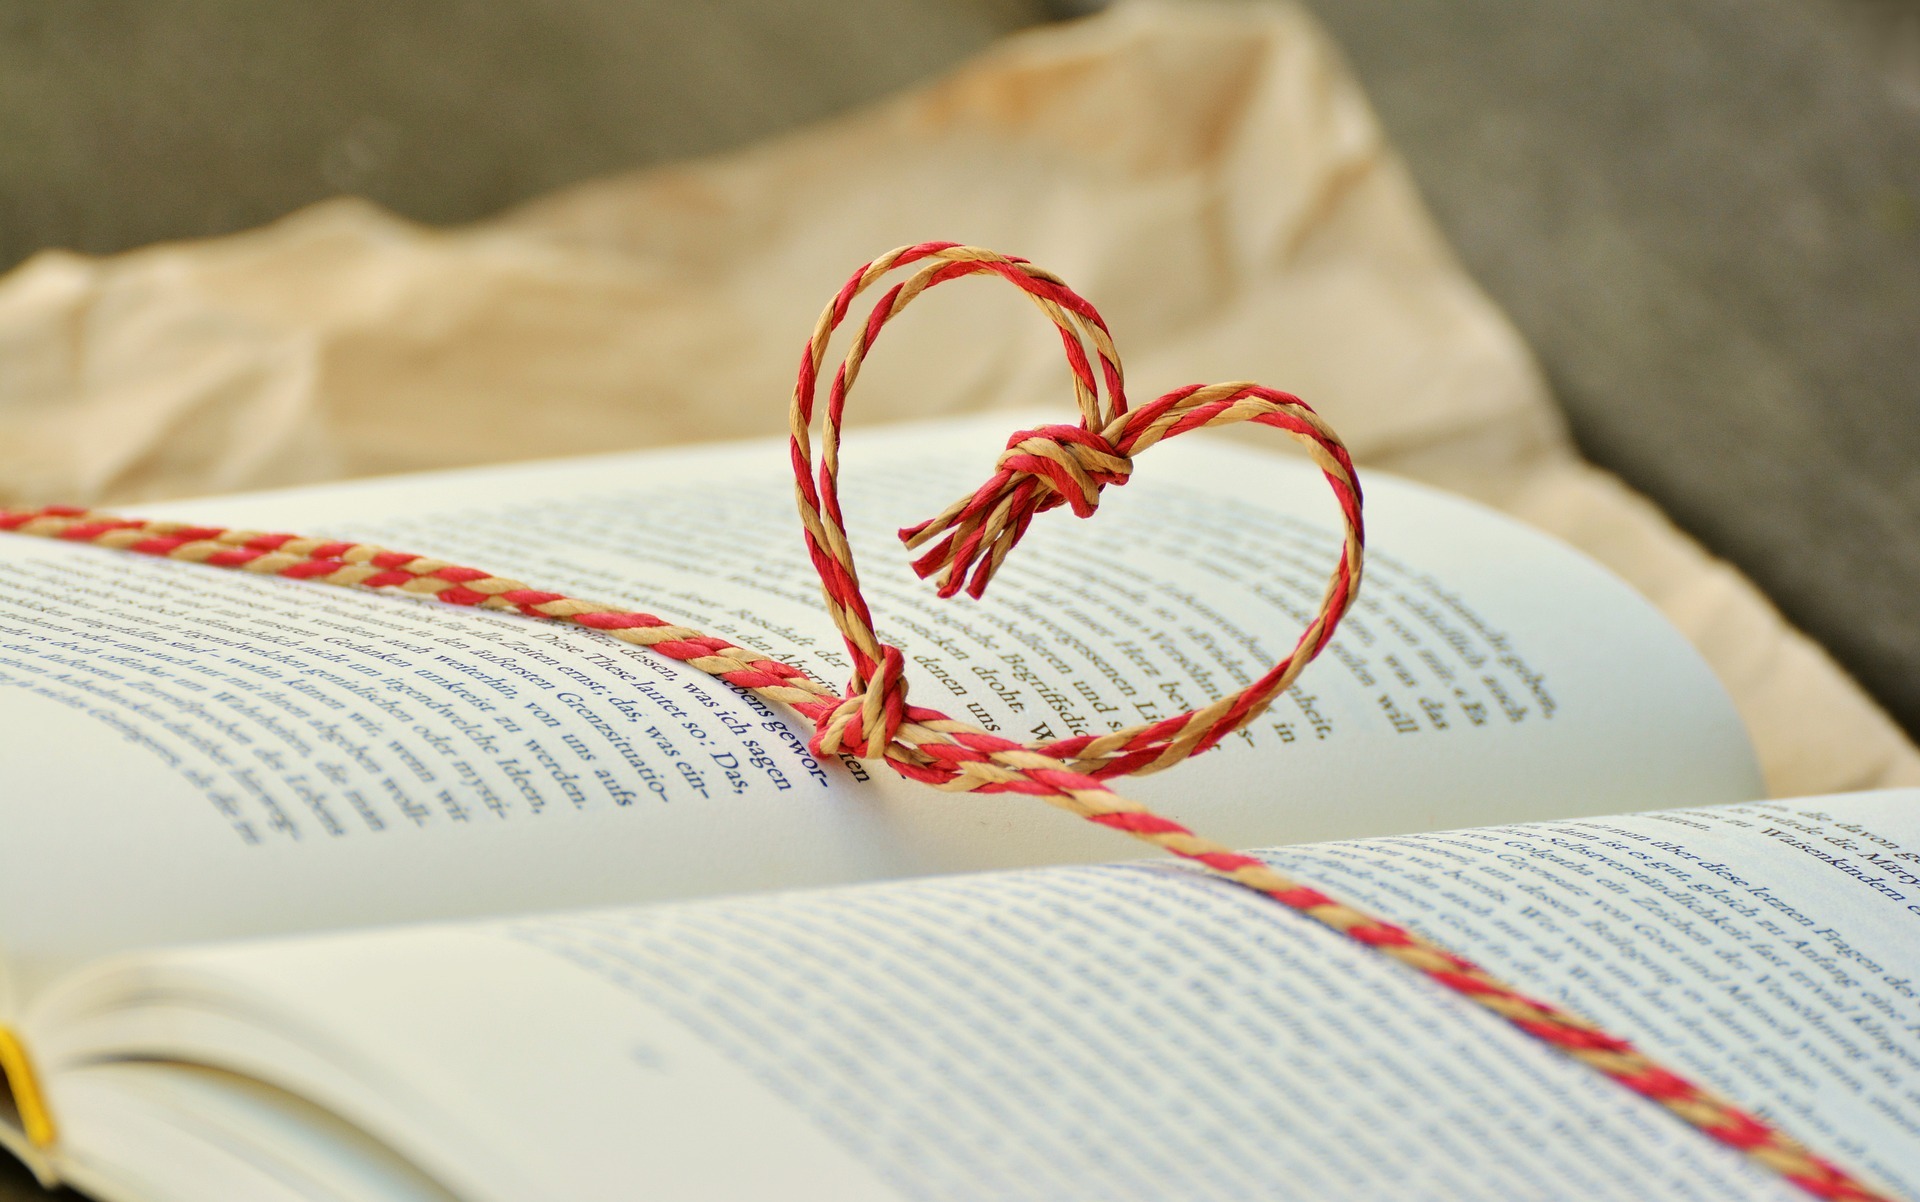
867, 721
1072, 463
1041, 469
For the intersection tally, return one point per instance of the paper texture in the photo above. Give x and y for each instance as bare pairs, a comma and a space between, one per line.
1210, 177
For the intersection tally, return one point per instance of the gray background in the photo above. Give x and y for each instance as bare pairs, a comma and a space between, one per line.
1703, 214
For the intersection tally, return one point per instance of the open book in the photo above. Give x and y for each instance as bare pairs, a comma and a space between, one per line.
223, 792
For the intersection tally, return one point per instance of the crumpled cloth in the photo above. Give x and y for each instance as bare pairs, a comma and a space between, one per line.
1211, 177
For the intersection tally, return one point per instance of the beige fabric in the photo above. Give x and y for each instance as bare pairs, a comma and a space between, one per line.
1210, 177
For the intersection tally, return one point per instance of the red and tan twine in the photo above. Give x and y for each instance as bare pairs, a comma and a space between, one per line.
1041, 469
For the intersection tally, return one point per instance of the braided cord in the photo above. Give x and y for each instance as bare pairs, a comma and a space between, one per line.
1041, 470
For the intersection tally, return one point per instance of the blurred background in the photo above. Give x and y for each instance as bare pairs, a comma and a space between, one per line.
1704, 215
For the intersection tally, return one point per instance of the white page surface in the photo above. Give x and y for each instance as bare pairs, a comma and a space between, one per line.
195, 753
1134, 1032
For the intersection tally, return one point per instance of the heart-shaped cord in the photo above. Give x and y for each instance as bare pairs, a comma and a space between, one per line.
1042, 469
926, 745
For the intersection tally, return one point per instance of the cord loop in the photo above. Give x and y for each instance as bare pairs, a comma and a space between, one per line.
1042, 469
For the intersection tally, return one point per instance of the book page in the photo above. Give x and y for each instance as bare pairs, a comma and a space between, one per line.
1767, 950
195, 753
1118, 1032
